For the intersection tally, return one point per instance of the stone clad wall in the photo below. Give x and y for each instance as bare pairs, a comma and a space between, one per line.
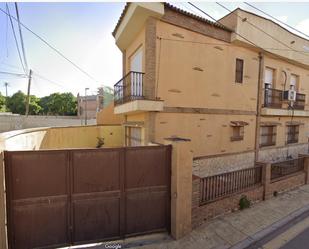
221, 164
280, 153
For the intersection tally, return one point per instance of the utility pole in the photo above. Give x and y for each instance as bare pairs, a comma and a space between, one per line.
6, 84
28, 92
86, 105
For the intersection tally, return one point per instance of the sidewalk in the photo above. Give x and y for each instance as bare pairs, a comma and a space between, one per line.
228, 230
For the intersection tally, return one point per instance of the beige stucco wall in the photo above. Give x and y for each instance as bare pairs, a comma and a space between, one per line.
210, 134
61, 138
213, 87
107, 117
261, 35
138, 42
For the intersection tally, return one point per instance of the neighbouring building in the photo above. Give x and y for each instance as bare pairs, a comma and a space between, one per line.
93, 104
188, 77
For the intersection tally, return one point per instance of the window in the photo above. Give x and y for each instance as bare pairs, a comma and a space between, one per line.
239, 70
133, 136
269, 77
268, 135
292, 134
238, 133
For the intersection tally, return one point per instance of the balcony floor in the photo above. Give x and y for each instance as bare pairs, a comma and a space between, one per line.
137, 106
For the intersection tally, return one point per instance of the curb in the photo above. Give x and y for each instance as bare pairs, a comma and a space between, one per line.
268, 231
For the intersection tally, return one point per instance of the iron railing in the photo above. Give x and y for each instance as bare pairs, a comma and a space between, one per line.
273, 98
287, 167
300, 101
218, 186
129, 88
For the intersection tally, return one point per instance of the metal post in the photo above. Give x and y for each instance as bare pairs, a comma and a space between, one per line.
86, 105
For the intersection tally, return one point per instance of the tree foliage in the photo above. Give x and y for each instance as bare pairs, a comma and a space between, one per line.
17, 103
59, 104
2, 103
54, 104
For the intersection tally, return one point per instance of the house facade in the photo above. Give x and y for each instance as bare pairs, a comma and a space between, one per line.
221, 85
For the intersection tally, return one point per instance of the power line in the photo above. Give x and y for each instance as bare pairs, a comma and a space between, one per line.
256, 8
21, 38
224, 25
35, 74
52, 47
13, 30
14, 74
227, 28
258, 28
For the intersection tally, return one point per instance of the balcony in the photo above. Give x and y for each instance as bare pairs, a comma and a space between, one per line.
274, 104
129, 95
273, 98
129, 88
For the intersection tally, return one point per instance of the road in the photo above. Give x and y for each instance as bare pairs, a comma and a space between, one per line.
293, 235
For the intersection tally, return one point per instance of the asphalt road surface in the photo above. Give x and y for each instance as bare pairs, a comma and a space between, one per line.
301, 241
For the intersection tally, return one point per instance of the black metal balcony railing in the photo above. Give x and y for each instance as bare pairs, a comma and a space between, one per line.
274, 98
129, 88
300, 101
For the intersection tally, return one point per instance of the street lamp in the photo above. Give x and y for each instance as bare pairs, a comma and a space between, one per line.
86, 105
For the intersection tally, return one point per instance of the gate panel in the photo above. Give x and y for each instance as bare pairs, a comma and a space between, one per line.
147, 189
96, 194
65, 197
37, 190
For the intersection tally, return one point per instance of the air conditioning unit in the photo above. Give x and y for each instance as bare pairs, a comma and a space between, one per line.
289, 95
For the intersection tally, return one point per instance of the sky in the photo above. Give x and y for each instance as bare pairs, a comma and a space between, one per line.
82, 32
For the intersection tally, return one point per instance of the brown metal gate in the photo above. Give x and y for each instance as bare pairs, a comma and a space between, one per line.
65, 197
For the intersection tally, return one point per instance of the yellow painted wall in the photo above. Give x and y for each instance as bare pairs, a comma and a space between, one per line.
214, 87
210, 134
107, 116
282, 129
138, 42
259, 36
62, 138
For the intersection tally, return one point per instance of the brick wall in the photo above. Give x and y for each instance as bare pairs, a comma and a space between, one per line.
224, 205
266, 190
284, 184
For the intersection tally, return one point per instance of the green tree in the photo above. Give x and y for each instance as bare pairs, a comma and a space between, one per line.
59, 104
2, 103
17, 104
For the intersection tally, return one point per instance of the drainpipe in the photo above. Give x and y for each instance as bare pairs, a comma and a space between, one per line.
259, 106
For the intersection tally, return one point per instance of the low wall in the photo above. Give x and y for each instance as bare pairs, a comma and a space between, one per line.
266, 190
62, 137
201, 213
17, 122
285, 183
